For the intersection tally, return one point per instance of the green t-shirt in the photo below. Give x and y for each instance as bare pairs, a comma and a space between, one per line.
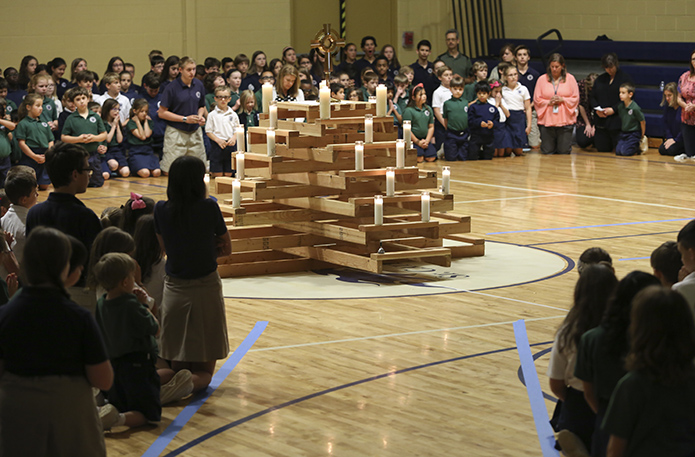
420, 119
656, 420
5, 143
132, 139
11, 107
630, 116
37, 134
232, 101
127, 326
76, 125
455, 111
469, 92
461, 65
49, 113
597, 364
209, 101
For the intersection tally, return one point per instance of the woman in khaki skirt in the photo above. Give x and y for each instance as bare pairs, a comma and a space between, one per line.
51, 354
191, 230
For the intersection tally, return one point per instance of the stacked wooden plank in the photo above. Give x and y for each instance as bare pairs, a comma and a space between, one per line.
307, 207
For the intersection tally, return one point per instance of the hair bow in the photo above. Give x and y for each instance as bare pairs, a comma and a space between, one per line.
494, 84
412, 94
137, 202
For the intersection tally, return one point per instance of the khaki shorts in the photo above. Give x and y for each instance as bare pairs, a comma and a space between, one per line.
178, 143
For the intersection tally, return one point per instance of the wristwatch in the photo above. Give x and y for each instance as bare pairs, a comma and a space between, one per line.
185, 118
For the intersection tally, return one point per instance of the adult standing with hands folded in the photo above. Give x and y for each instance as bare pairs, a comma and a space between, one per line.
183, 109
606, 94
556, 98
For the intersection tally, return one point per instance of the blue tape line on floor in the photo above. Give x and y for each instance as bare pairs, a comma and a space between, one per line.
218, 378
535, 393
590, 226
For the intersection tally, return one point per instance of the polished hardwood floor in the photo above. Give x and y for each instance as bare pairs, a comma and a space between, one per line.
425, 375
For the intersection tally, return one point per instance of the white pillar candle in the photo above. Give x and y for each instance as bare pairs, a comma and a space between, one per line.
323, 84
206, 178
372, 99
236, 194
273, 115
267, 96
406, 134
270, 138
381, 100
359, 155
400, 154
240, 143
446, 180
378, 210
325, 103
368, 129
425, 206
390, 182
240, 165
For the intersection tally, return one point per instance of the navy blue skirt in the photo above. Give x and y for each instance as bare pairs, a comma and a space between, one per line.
117, 153
516, 129
142, 157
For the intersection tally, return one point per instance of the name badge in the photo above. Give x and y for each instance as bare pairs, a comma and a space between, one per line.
556, 109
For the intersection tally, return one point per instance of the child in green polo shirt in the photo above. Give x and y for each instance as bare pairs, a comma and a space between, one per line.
34, 137
421, 116
86, 128
39, 85
455, 114
6, 127
632, 120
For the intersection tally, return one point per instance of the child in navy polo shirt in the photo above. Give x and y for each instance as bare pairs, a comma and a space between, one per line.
114, 160
34, 137
455, 115
86, 128
527, 78
128, 89
632, 119
141, 157
482, 118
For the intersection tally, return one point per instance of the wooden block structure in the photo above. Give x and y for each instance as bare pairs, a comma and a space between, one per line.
308, 208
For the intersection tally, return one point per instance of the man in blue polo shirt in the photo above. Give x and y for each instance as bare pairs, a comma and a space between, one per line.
183, 108
424, 69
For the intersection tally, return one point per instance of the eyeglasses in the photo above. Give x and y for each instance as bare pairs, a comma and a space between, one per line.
266, 78
222, 97
88, 170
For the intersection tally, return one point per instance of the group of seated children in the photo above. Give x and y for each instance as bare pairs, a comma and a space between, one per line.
622, 361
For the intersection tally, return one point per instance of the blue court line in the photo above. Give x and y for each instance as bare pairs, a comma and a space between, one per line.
601, 238
590, 226
633, 258
535, 393
251, 417
198, 400
520, 373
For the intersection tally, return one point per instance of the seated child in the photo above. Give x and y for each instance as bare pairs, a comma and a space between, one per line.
673, 140
220, 128
6, 128
141, 156
482, 118
666, 263
86, 128
401, 97
114, 160
129, 329
112, 82
632, 120
591, 256
455, 115
352, 94
369, 82
337, 91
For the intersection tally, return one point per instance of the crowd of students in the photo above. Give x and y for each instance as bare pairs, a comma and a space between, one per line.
622, 363
116, 316
527, 111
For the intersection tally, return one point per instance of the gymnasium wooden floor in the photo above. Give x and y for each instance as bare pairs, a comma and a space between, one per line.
425, 375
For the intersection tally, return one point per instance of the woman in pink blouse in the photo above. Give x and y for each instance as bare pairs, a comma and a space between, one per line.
556, 98
686, 100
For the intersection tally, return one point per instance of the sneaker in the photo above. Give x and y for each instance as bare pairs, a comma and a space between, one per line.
98, 397
681, 158
180, 386
109, 416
